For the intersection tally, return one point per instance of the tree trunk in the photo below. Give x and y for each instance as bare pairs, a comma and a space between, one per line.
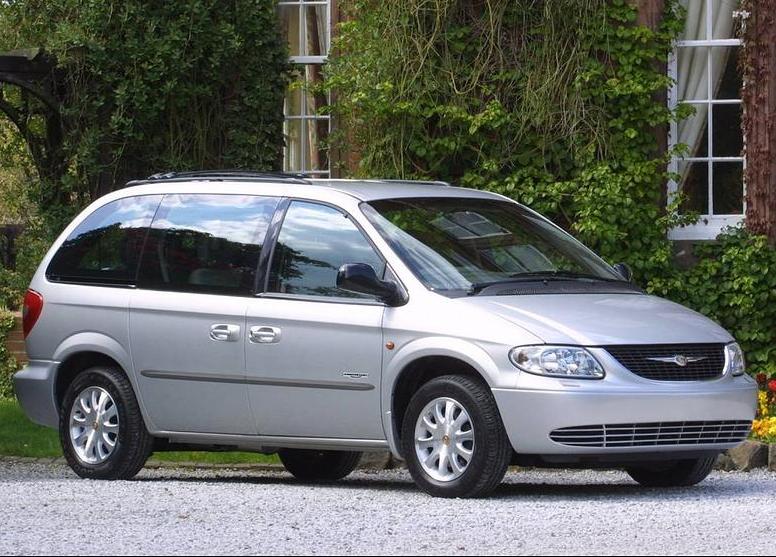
759, 96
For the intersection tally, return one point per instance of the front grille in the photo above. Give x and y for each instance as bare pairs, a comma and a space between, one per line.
653, 434
703, 361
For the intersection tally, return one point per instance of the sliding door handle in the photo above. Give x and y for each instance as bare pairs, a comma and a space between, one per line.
224, 332
265, 335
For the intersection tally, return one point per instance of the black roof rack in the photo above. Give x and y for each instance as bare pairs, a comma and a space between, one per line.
216, 175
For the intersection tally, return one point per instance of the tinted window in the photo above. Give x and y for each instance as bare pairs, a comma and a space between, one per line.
314, 242
206, 243
105, 248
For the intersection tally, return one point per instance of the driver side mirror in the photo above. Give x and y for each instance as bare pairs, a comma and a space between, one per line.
624, 270
362, 279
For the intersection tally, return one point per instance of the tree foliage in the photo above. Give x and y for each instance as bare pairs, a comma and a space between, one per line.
150, 86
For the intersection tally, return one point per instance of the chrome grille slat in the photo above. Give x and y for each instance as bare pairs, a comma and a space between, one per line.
636, 359
654, 434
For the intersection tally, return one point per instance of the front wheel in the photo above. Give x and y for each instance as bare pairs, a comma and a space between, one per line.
453, 438
319, 466
102, 432
677, 473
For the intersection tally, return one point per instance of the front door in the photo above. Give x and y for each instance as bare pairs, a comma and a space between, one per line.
187, 317
314, 351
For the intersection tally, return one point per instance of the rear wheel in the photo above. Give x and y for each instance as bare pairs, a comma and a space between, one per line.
101, 430
319, 466
677, 473
453, 439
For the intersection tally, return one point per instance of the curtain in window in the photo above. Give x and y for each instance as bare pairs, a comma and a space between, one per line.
692, 65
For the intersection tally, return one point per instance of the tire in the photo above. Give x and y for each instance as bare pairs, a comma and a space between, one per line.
132, 442
489, 450
677, 473
319, 466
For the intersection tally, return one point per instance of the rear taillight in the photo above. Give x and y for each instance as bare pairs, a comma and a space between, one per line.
33, 305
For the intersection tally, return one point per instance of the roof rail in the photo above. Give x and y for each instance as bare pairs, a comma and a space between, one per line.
425, 182
217, 175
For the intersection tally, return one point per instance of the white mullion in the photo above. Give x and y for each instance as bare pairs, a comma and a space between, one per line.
709, 113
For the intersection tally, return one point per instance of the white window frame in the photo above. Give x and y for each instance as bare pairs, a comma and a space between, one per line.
710, 225
304, 117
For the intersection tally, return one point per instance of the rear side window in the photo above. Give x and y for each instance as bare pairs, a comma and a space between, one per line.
206, 243
105, 248
314, 242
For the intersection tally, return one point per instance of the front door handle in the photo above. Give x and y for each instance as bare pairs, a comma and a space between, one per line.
224, 332
265, 335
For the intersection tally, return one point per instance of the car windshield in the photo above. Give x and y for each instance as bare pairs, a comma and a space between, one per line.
461, 244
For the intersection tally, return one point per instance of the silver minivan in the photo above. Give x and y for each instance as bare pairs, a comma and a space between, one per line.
318, 319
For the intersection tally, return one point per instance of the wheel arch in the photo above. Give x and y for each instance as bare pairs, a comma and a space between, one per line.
421, 361
89, 349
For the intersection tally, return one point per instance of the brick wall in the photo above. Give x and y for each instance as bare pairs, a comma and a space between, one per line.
15, 341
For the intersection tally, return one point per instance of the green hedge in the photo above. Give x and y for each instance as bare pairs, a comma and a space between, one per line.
8, 364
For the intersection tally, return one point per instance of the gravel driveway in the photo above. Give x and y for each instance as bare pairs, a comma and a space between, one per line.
44, 509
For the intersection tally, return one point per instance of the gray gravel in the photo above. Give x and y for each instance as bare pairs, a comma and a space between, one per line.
44, 509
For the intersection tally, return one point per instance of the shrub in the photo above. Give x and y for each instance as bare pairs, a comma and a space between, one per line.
8, 363
734, 283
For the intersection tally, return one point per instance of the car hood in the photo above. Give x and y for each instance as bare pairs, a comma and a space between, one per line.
603, 319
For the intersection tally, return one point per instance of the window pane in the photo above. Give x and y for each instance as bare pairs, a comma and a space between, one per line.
317, 22
314, 243
290, 26
723, 24
316, 98
294, 99
695, 187
728, 188
106, 247
293, 137
695, 23
727, 77
317, 155
693, 131
692, 73
728, 139
206, 243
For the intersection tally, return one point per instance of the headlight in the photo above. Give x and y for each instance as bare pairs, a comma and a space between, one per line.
735, 364
557, 361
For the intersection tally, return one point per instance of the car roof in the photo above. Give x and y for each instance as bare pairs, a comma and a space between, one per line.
363, 190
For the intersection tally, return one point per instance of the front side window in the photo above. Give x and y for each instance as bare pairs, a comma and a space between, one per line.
206, 243
314, 242
458, 244
106, 246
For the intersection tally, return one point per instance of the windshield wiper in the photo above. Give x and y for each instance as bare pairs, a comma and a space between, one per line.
544, 276
562, 275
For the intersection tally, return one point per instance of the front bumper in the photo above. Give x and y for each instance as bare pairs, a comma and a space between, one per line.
531, 414
35, 388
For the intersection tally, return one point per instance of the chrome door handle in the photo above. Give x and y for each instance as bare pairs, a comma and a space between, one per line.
265, 335
224, 332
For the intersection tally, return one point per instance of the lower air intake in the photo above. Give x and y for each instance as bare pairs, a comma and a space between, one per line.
656, 434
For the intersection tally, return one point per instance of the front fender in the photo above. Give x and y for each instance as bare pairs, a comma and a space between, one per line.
465, 351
